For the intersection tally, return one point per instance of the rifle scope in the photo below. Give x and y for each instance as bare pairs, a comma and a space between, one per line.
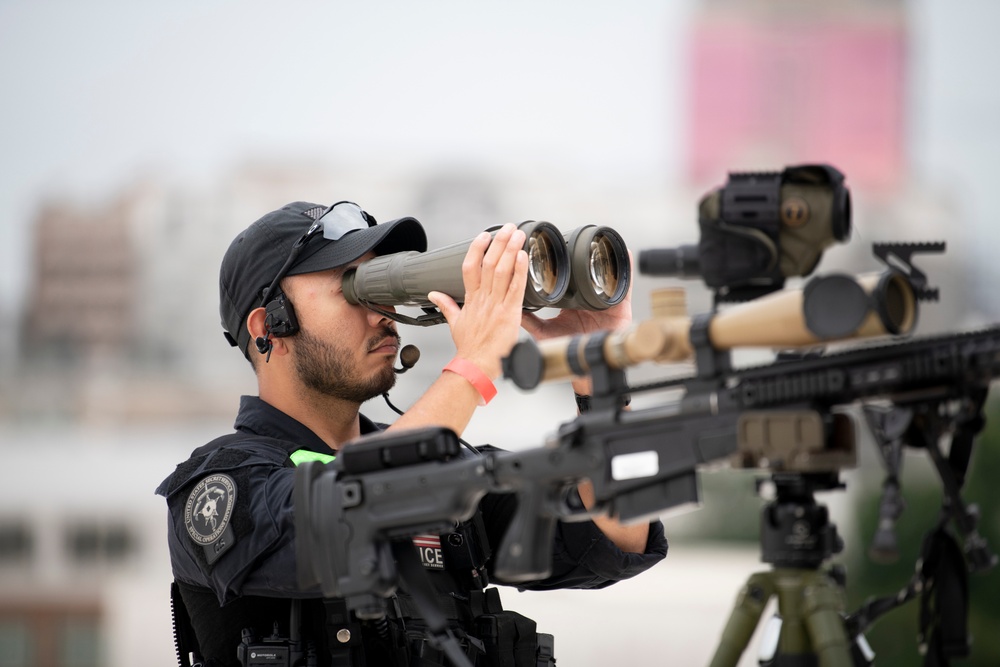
587, 269
758, 229
829, 308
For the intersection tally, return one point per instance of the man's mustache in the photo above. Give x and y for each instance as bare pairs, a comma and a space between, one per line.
379, 340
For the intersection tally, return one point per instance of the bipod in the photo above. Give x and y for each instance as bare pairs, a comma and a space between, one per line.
808, 630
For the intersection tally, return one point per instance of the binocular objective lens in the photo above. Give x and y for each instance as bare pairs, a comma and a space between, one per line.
603, 267
541, 264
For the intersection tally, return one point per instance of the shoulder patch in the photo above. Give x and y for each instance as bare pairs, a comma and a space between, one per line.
207, 515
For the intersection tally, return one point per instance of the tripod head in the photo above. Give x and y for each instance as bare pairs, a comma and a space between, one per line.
796, 531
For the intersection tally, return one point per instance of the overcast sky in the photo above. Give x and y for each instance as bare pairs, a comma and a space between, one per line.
93, 92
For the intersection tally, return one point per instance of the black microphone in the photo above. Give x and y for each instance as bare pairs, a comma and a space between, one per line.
408, 357
264, 346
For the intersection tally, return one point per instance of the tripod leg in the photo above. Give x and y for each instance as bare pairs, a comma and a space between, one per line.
743, 620
823, 605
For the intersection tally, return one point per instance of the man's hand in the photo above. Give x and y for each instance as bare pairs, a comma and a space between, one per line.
494, 272
574, 322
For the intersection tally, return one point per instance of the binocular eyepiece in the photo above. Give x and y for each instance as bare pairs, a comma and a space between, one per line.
585, 269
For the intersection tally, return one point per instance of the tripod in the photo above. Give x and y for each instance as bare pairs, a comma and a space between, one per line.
796, 537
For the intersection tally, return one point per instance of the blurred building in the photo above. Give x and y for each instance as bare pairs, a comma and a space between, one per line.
785, 81
84, 289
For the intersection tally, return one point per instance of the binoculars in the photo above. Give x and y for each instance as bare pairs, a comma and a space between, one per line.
587, 268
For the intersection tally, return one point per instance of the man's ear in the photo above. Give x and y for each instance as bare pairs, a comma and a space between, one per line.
259, 335
255, 323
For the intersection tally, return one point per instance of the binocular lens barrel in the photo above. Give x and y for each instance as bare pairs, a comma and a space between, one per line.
548, 264
405, 278
604, 267
588, 269
543, 265
601, 271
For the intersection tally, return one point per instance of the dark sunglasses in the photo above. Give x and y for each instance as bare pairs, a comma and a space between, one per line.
335, 222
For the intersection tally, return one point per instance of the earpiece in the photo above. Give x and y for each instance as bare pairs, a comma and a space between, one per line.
263, 344
280, 320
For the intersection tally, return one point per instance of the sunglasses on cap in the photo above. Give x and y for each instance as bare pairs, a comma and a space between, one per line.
335, 222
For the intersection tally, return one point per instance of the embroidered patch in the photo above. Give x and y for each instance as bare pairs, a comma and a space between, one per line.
429, 547
207, 512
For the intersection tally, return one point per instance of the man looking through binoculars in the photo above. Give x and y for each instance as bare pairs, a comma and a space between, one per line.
231, 532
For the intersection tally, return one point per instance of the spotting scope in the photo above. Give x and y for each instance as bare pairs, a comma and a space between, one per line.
587, 268
758, 229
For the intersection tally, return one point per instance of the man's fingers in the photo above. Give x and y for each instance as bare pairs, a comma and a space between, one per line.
518, 279
472, 265
531, 323
448, 307
491, 256
504, 270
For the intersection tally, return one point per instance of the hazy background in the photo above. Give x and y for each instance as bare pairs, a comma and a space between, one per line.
136, 140
94, 93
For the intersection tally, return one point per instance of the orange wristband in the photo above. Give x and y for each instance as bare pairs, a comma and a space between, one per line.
476, 377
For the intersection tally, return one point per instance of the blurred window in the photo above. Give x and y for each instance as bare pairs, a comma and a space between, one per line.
79, 642
34, 634
94, 543
16, 543
15, 644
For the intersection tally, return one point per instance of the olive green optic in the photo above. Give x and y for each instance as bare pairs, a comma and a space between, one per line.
585, 269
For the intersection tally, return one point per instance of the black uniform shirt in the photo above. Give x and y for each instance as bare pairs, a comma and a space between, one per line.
231, 528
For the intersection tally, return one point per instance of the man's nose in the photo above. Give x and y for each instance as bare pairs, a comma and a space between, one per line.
377, 319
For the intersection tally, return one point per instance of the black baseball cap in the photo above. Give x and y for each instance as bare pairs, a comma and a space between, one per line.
255, 257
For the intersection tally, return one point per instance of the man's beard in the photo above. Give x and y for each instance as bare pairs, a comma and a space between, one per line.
326, 368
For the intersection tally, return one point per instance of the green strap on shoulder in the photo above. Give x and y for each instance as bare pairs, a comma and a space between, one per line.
300, 456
